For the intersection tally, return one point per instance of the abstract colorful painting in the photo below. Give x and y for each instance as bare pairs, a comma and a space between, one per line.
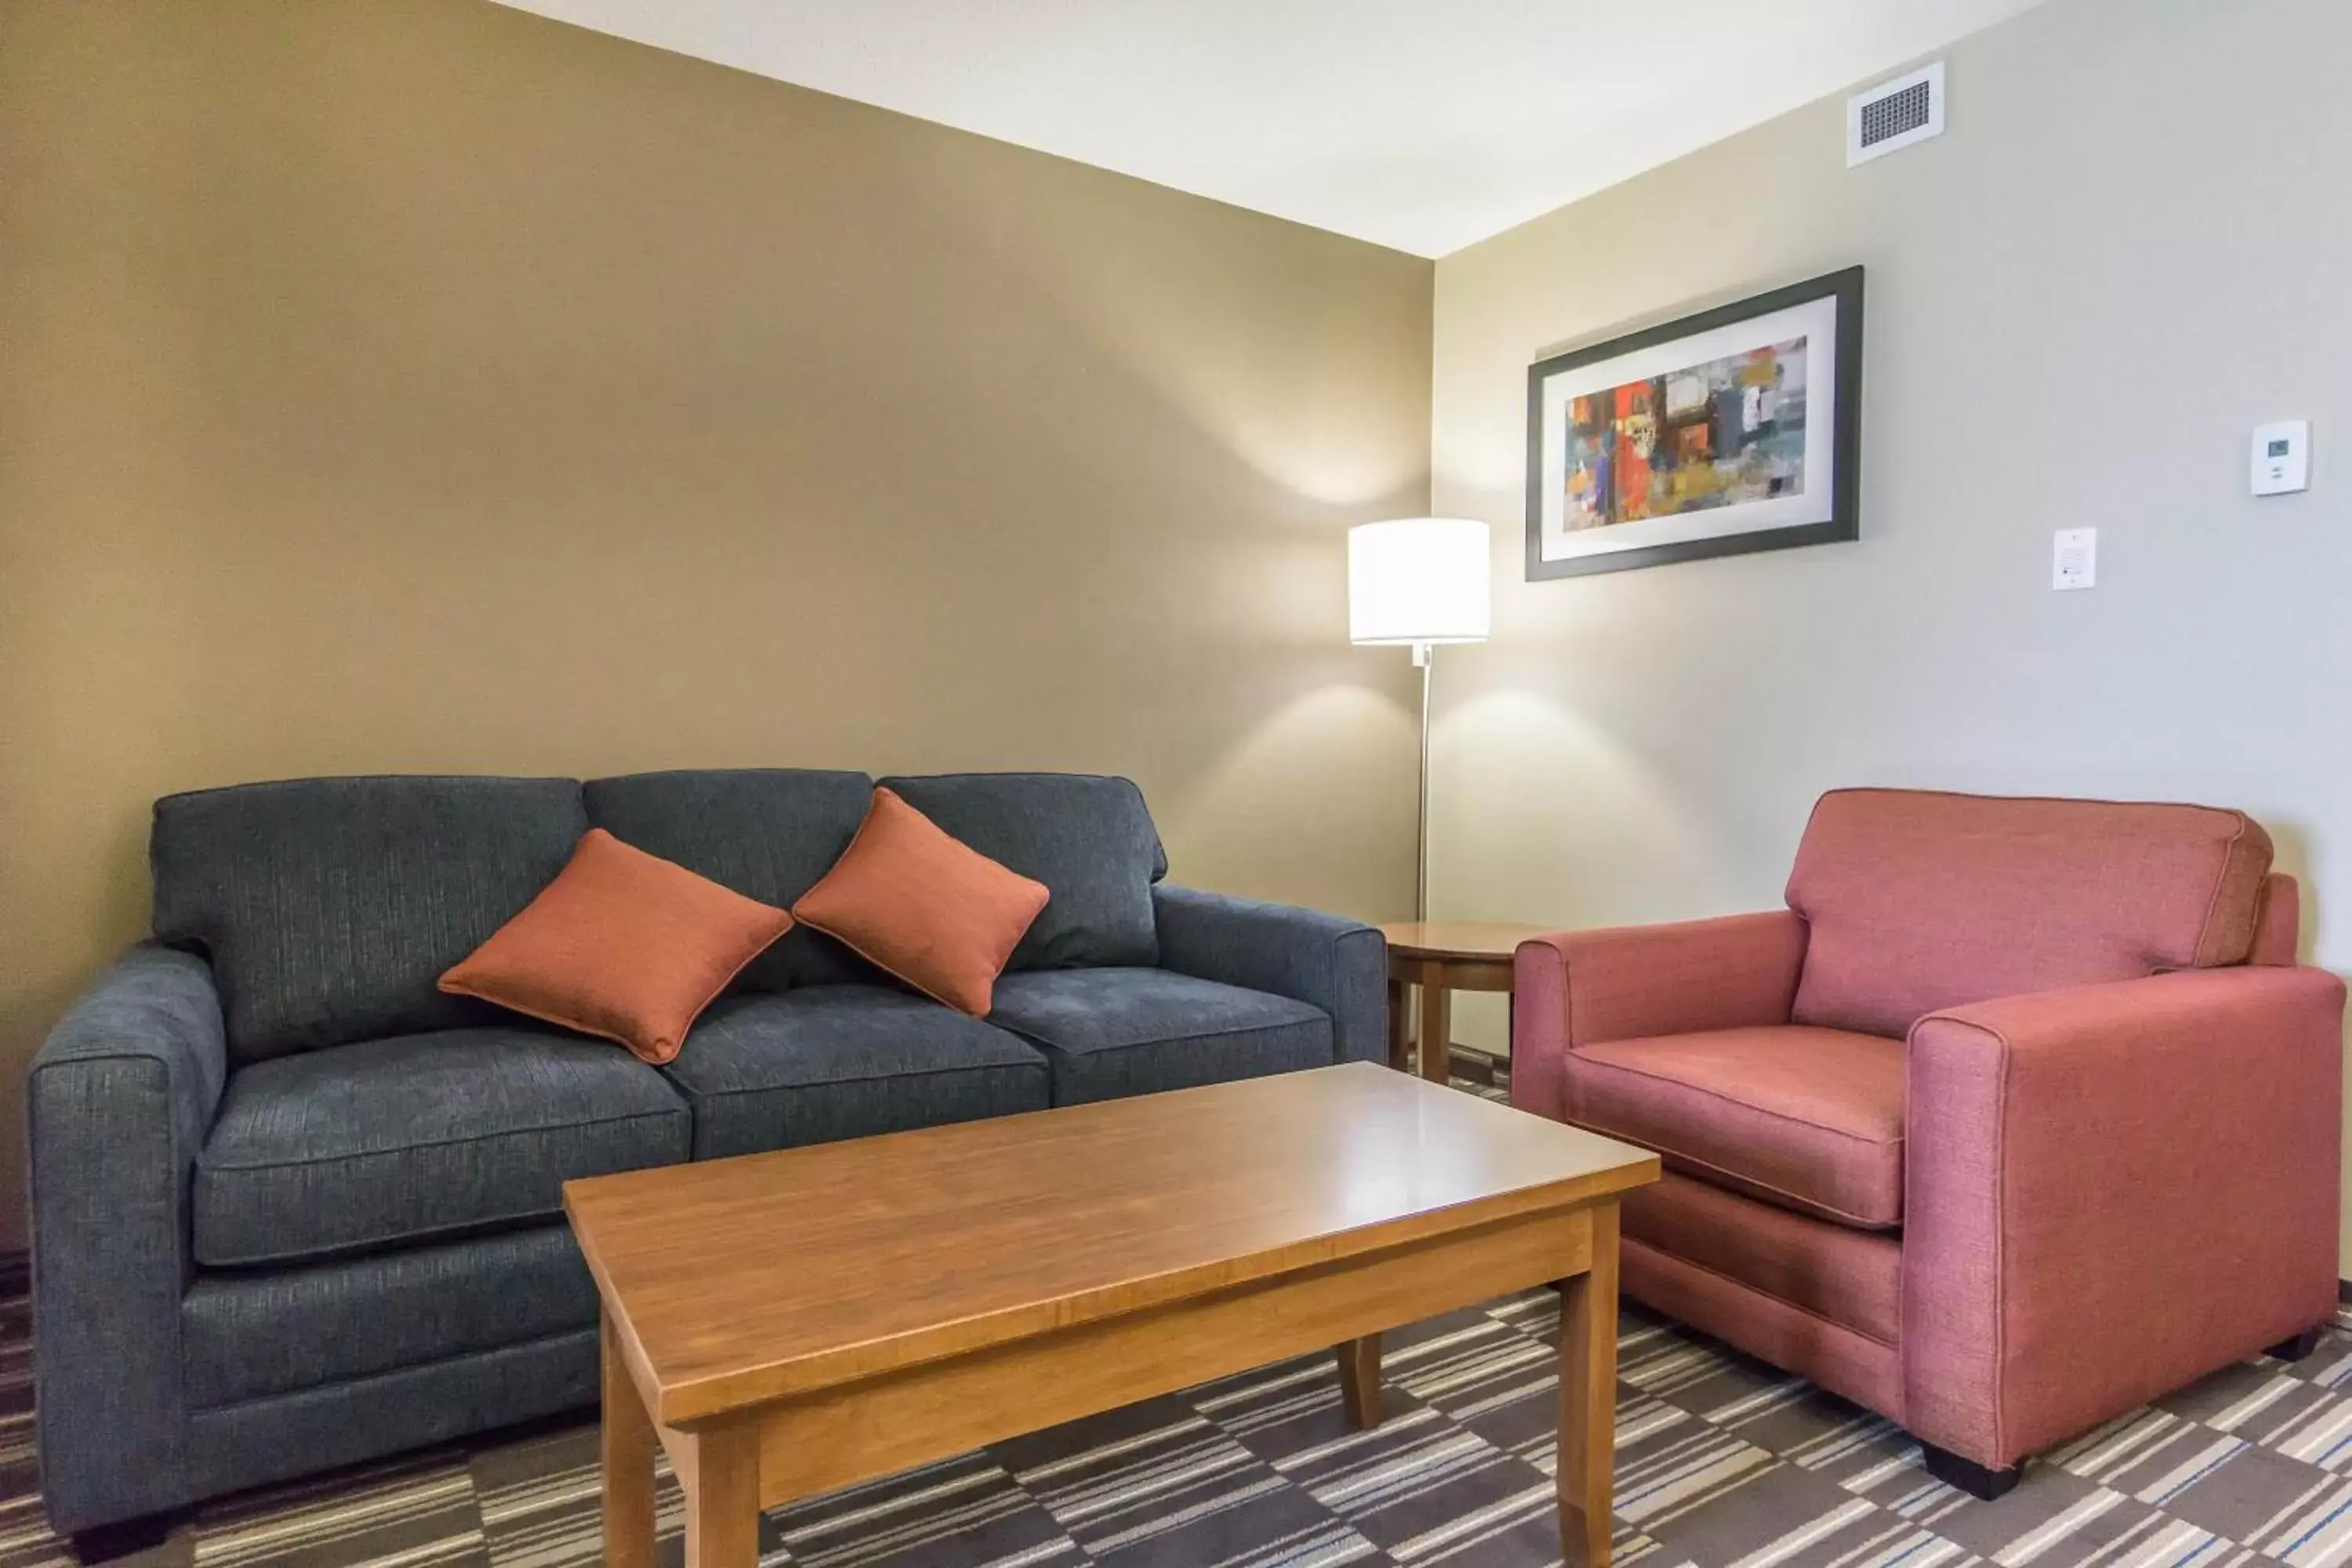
1717, 434
1733, 430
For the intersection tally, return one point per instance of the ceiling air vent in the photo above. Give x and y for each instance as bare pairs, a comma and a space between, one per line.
1895, 114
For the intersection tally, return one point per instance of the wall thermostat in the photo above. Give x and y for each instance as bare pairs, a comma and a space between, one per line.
2282, 458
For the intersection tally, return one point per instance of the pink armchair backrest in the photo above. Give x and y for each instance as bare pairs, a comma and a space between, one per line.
2278, 923
1917, 900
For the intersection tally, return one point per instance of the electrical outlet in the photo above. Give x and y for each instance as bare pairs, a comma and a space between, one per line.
2075, 558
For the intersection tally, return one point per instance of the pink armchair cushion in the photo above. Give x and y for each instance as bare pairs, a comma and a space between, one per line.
1808, 1118
1917, 902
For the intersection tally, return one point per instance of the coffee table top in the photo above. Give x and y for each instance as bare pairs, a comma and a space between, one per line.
1458, 939
732, 1282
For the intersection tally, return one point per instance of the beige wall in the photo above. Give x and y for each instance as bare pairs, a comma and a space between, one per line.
2130, 249
425, 386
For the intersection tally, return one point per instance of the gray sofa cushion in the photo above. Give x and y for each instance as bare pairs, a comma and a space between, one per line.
329, 906
1116, 1032
1088, 838
420, 1135
823, 1062
247, 1333
768, 832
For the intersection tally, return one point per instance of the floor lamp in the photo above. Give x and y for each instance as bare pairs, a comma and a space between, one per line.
1419, 582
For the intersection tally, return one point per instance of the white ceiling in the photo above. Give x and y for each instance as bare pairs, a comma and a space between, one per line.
1421, 124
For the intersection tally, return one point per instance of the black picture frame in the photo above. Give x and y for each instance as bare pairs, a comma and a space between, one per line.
1844, 519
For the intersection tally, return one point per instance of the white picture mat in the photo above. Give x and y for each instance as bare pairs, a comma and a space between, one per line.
1814, 320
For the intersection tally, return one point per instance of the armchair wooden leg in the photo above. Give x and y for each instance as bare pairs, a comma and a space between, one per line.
1399, 1028
1969, 1476
2295, 1349
1436, 1025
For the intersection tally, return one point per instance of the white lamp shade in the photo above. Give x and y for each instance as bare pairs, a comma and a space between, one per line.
1419, 580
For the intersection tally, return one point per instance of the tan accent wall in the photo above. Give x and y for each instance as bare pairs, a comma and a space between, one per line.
423, 385
2126, 252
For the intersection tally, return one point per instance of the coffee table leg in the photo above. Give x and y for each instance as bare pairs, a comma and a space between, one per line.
723, 1500
1359, 1381
1436, 1023
628, 1454
1588, 1399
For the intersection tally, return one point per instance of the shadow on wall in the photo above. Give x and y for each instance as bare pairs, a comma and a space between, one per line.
2291, 841
1243, 850
1627, 824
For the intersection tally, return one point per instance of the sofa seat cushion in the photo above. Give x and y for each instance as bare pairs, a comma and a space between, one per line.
394, 1141
1115, 1032
822, 1062
1808, 1118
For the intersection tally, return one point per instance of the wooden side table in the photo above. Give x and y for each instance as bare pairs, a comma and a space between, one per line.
1443, 957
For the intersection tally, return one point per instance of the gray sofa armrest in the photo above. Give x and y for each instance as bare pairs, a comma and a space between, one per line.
119, 1100
1327, 960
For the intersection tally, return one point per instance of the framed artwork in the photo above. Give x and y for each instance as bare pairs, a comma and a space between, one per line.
1735, 429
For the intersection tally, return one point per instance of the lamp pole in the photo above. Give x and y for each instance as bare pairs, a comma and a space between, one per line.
1425, 657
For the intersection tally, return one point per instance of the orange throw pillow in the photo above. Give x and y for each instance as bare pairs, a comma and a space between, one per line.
935, 912
621, 944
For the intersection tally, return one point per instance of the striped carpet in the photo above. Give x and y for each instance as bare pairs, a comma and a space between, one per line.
1721, 1461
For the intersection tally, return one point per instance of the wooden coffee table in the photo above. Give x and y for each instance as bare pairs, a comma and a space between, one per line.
1443, 957
787, 1323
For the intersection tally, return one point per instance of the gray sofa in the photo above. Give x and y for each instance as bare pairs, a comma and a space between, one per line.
294, 1207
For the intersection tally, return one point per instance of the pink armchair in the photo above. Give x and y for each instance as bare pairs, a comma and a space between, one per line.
2019, 1115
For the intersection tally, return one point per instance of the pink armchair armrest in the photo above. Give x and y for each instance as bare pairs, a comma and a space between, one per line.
2110, 1190
1576, 988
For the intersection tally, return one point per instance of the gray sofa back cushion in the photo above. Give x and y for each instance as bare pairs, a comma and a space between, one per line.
1088, 838
767, 832
329, 906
